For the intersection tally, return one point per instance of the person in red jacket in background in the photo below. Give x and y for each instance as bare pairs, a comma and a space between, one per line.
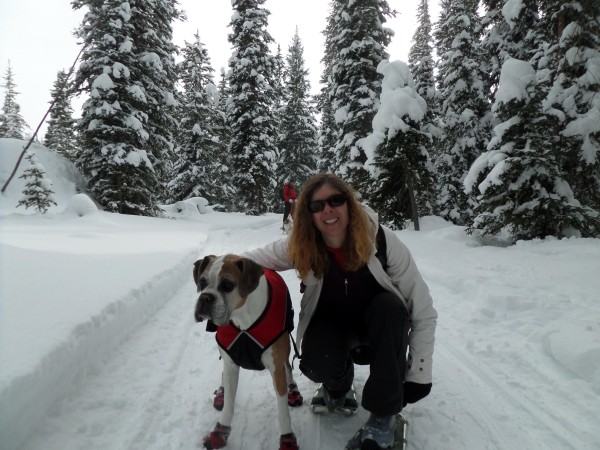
289, 197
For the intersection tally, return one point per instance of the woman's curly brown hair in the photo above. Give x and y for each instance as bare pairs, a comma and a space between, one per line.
306, 246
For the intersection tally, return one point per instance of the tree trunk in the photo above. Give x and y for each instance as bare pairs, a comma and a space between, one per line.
413, 201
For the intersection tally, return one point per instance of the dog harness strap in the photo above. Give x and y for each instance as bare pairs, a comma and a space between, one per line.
246, 347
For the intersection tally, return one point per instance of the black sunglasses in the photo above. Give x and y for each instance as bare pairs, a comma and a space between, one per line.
334, 201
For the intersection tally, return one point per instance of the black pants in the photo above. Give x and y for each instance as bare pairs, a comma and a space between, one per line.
329, 351
287, 210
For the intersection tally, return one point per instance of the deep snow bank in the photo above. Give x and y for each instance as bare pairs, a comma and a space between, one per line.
27, 398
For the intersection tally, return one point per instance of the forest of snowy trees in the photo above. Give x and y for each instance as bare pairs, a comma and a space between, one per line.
493, 123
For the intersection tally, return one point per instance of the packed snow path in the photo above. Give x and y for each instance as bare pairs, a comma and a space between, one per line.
493, 387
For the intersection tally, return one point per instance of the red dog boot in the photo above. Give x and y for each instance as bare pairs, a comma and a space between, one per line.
288, 442
219, 399
294, 396
217, 438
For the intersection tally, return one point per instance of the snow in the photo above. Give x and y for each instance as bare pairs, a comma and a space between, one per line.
511, 11
103, 82
515, 78
399, 101
100, 349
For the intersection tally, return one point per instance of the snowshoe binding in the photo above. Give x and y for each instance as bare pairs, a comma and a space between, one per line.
323, 403
366, 437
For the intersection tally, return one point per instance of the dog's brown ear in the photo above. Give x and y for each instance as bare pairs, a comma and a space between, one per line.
251, 273
200, 265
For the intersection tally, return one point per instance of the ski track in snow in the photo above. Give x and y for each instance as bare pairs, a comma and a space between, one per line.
155, 391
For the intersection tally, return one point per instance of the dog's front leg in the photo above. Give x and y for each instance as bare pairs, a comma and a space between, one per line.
219, 436
231, 375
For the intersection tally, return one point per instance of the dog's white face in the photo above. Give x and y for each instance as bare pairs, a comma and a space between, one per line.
223, 283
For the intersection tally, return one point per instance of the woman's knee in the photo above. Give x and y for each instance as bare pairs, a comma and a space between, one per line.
325, 352
387, 304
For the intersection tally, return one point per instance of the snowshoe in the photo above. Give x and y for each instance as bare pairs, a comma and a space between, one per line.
322, 403
400, 440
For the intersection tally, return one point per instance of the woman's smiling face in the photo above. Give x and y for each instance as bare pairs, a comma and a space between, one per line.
332, 222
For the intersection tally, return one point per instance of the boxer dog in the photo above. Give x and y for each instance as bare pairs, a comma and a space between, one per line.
251, 307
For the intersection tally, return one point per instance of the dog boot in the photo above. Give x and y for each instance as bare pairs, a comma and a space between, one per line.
294, 396
219, 399
288, 442
217, 438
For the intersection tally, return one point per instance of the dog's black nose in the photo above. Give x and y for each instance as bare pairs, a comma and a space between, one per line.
207, 298
204, 306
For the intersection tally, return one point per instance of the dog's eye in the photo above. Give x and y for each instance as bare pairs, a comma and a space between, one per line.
203, 283
226, 285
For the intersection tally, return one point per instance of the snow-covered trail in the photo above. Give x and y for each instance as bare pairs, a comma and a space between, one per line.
155, 390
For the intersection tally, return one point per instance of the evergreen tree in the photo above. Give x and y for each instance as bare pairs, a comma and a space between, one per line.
421, 64
278, 86
464, 109
420, 56
509, 33
327, 127
253, 150
12, 124
127, 69
299, 134
222, 128
200, 169
222, 131
279, 95
359, 42
153, 23
575, 93
523, 191
61, 125
399, 149
38, 189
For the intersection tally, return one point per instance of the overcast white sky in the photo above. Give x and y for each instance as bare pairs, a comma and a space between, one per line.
37, 37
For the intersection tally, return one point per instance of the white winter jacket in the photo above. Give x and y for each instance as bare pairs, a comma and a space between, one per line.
402, 278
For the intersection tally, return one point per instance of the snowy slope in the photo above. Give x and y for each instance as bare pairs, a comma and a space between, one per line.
99, 348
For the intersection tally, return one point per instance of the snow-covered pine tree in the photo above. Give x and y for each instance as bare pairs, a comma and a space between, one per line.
359, 40
38, 192
153, 23
278, 93
12, 124
421, 64
222, 128
523, 192
253, 148
511, 31
123, 130
420, 58
200, 170
398, 149
278, 85
60, 135
327, 126
464, 108
299, 133
576, 94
